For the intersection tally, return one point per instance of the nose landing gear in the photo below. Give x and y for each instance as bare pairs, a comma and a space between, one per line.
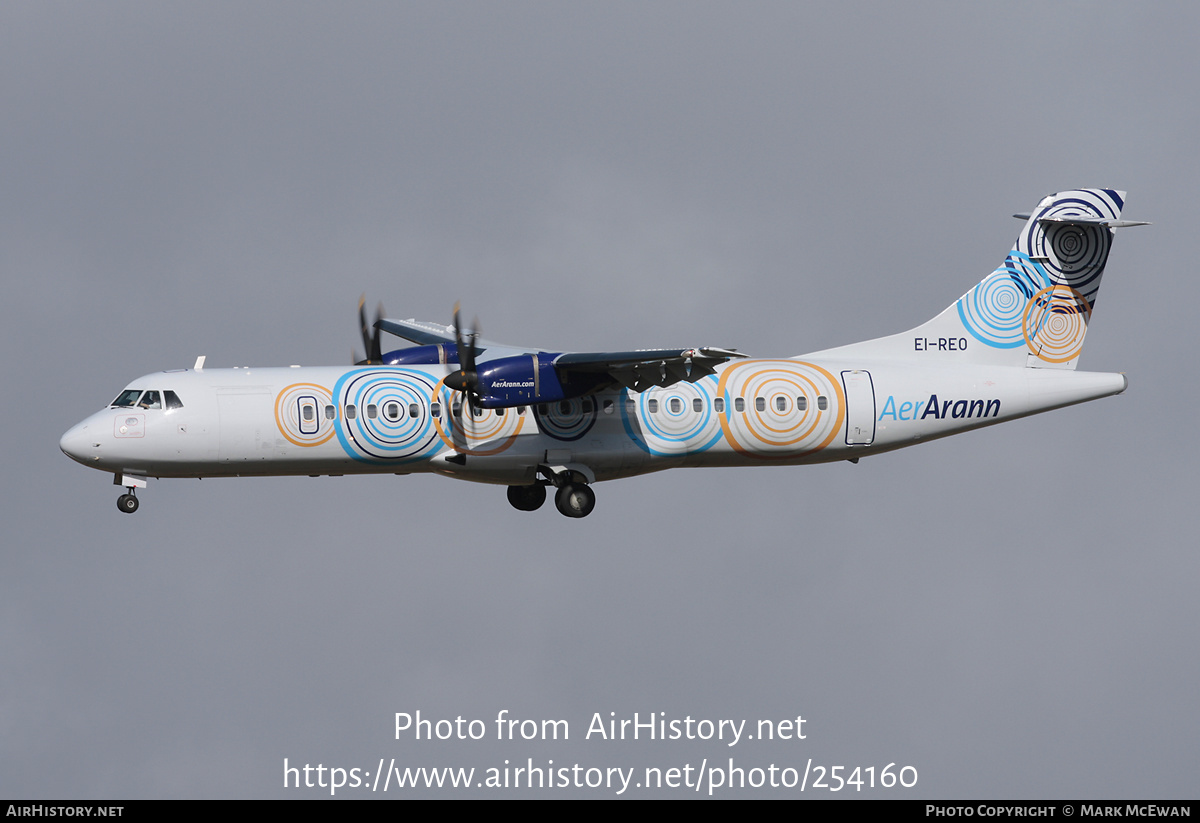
128, 502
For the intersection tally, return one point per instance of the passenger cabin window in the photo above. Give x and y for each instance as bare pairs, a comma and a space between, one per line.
719, 404
608, 407
739, 404
652, 405
822, 402
413, 410
676, 405
330, 412
802, 403
391, 411
760, 403
172, 401
308, 412
697, 404
372, 411
435, 409
781, 404
351, 412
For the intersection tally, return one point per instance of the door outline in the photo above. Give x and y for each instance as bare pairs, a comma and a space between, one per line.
860, 407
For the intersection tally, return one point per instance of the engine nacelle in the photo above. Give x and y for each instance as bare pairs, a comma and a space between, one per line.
529, 379
422, 356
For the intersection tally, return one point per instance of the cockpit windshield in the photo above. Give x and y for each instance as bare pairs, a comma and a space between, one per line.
148, 400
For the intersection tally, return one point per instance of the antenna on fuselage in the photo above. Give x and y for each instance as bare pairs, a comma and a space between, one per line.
200, 363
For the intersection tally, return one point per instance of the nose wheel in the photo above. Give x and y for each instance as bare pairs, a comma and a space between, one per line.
127, 503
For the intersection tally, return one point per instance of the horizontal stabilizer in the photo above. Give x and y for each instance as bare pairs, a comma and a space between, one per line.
1081, 220
1084, 220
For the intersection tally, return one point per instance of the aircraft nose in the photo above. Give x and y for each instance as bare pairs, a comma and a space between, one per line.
76, 444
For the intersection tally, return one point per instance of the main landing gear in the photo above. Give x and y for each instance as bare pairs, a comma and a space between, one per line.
527, 498
128, 503
574, 497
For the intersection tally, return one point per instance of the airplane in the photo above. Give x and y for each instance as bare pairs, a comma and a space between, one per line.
458, 405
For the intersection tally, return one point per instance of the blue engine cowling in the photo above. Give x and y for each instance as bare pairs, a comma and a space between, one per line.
422, 356
528, 379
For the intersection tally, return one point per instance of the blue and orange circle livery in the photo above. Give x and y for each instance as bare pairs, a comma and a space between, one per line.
1074, 255
1055, 323
491, 431
567, 419
392, 420
675, 427
791, 422
300, 414
993, 311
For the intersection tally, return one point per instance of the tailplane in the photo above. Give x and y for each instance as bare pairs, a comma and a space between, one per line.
1034, 309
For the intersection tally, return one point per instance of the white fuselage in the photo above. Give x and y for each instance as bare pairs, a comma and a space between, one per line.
403, 419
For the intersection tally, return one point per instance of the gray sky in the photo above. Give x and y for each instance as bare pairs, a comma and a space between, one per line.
1012, 612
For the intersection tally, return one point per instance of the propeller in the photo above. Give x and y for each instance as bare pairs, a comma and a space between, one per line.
466, 379
370, 335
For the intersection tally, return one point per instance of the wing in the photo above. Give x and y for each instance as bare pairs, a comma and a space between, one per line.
640, 369
418, 331
512, 375
424, 333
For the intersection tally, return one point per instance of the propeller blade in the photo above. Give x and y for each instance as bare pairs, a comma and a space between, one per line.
363, 327
371, 335
466, 379
472, 350
376, 349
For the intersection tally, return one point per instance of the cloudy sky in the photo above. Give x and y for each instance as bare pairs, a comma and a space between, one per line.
1010, 612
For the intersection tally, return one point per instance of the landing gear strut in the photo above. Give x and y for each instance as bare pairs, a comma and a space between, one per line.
128, 503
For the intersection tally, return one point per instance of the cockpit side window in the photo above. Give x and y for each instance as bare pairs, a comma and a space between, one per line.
127, 398
172, 400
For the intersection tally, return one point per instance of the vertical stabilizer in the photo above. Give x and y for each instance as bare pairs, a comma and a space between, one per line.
1035, 308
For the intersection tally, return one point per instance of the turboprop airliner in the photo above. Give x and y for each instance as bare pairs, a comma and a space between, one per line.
527, 418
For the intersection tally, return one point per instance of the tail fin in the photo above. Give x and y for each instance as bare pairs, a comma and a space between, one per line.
1035, 308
